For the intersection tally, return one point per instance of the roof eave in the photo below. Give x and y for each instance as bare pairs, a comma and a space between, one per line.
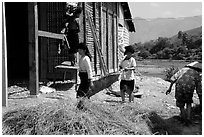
128, 16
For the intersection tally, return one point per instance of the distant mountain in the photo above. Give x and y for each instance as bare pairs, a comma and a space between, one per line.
151, 29
192, 32
195, 31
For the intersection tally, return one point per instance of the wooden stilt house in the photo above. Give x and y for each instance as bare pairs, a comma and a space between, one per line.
106, 19
32, 56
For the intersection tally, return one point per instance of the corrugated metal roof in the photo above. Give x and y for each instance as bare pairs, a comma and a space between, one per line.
128, 16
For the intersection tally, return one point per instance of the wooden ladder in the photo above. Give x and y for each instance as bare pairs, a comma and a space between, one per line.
97, 44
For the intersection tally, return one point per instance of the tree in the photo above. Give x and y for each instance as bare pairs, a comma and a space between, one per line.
167, 53
160, 45
180, 34
144, 54
184, 38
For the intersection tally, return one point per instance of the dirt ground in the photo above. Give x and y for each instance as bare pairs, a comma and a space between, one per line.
153, 100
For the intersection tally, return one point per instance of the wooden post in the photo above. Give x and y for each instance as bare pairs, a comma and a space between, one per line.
117, 25
107, 40
95, 53
113, 42
33, 49
4, 61
84, 20
100, 31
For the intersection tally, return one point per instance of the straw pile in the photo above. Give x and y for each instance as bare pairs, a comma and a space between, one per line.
63, 117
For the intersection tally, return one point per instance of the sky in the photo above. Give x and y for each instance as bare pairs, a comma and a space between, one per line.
165, 9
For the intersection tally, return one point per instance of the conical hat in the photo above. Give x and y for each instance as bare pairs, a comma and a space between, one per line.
195, 65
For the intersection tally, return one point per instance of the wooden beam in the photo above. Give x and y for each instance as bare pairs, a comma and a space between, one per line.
33, 49
95, 52
113, 42
50, 35
100, 30
117, 24
107, 40
4, 61
84, 21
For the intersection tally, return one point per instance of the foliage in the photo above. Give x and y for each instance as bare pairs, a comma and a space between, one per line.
144, 54
169, 72
160, 45
184, 47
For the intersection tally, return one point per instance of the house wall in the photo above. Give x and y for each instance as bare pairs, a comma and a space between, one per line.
51, 20
104, 16
123, 34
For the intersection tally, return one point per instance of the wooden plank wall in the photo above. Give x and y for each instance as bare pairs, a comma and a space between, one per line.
89, 37
105, 20
104, 39
97, 25
111, 36
123, 41
110, 40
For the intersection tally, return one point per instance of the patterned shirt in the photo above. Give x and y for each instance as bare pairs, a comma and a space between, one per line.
187, 80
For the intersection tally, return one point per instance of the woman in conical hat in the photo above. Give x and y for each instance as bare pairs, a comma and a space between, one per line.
195, 65
187, 80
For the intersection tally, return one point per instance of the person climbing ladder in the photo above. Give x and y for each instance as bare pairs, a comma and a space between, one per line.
71, 30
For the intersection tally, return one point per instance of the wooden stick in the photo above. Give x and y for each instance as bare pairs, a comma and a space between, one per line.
50, 35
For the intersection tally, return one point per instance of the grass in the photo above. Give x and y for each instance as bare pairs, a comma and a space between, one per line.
63, 117
156, 68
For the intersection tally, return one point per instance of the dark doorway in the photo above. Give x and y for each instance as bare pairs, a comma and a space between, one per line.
17, 40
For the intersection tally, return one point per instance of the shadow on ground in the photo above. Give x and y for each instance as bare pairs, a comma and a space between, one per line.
62, 86
174, 125
113, 101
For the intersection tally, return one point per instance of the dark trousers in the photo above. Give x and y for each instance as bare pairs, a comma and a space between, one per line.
84, 85
130, 84
73, 39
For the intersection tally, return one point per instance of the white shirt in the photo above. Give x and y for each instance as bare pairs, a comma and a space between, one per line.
85, 66
128, 75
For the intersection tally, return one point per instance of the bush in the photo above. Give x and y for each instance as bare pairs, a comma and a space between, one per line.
144, 54
169, 72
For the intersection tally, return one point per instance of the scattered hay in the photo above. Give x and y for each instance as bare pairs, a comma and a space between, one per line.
62, 117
